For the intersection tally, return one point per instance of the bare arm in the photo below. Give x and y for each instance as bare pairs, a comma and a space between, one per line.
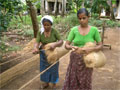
83, 50
67, 45
36, 48
98, 47
70, 47
57, 44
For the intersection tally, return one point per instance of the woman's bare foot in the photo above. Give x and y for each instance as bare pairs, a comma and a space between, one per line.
44, 85
53, 86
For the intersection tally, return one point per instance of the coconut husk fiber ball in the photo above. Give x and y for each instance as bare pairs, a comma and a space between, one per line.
56, 54
95, 59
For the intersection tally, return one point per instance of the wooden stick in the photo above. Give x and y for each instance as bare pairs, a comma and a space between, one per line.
21, 88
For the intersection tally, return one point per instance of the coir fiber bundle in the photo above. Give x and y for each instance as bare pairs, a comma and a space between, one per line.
94, 59
54, 55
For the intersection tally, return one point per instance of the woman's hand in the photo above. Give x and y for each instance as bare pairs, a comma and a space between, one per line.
35, 51
79, 50
52, 47
74, 48
68, 46
36, 48
87, 50
56, 44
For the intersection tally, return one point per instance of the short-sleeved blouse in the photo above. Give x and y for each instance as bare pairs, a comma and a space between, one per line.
54, 36
80, 40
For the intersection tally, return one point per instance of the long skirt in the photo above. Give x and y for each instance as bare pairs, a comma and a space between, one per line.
51, 75
78, 76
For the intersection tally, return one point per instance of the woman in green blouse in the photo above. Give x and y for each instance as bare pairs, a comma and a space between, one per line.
78, 76
47, 35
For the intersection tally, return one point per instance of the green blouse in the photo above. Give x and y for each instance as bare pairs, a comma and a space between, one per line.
54, 36
80, 40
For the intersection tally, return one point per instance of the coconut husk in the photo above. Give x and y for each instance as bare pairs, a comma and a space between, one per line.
94, 59
54, 55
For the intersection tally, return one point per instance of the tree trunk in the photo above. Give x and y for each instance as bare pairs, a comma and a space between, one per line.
83, 2
46, 7
112, 12
63, 7
55, 7
118, 11
33, 14
42, 7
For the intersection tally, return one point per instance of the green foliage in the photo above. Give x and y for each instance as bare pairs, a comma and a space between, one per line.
77, 3
69, 5
8, 8
5, 38
72, 19
56, 20
74, 5
111, 23
17, 23
95, 15
87, 3
97, 5
25, 26
95, 22
108, 23
118, 24
27, 32
64, 24
37, 3
69, 20
13, 48
4, 48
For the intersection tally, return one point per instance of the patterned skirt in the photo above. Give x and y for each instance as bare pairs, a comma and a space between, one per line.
78, 76
51, 75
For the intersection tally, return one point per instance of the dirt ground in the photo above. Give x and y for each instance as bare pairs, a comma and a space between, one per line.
105, 78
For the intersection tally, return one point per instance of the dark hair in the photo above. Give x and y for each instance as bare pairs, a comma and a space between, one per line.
83, 10
46, 20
